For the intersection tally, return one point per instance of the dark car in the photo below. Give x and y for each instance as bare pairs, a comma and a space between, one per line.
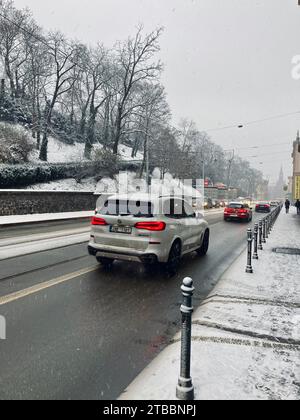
216, 204
263, 207
208, 204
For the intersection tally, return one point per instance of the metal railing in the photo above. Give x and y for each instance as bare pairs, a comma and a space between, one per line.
255, 238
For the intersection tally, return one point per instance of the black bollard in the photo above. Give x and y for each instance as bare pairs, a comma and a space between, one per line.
255, 253
264, 231
260, 243
271, 221
185, 388
249, 268
267, 227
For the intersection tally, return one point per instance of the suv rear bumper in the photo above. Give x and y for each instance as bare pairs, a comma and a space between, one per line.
145, 258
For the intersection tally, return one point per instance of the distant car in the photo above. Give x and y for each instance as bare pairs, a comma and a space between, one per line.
263, 207
274, 203
216, 204
148, 230
208, 204
238, 211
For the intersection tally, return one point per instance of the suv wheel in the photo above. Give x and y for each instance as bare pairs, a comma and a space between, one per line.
174, 259
107, 263
205, 245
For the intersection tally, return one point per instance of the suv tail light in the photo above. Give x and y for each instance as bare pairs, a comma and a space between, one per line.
98, 221
151, 226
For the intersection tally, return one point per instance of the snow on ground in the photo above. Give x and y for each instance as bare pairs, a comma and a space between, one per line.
126, 182
31, 246
246, 335
59, 152
70, 184
36, 218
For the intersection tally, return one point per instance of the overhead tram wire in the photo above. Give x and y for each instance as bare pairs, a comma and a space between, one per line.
268, 154
263, 146
275, 117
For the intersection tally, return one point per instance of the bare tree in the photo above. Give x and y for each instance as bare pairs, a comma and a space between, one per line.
165, 151
62, 56
39, 75
153, 111
15, 28
99, 74
135, 66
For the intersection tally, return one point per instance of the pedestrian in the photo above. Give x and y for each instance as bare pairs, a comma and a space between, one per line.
297, 205
287, 205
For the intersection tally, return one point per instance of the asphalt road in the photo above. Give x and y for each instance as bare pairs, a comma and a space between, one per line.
75, 331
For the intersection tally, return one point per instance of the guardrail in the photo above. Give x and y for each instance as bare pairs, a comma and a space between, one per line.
259, 236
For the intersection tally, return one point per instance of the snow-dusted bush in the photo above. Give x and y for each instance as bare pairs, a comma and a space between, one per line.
16, 176
15, 145
106, 162
11, 111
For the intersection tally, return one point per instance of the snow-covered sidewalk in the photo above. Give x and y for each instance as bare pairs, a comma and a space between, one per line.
47, 217
246, 335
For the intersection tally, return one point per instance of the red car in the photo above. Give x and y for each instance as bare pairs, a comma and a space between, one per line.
238, 211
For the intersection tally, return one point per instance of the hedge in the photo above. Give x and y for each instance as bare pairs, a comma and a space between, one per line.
16, 176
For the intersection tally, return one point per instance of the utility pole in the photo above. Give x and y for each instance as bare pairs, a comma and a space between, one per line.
230, 162
147, 164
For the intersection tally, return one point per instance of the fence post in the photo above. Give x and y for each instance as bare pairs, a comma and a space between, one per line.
185, 388
249, 268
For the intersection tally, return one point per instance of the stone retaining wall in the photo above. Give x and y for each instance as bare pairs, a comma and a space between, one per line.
20, 202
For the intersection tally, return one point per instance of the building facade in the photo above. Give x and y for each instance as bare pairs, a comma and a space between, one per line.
296, 168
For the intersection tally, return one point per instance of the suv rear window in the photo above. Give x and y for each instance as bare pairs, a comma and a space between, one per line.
128, 208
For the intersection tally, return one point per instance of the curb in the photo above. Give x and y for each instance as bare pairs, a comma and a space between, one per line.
40, 222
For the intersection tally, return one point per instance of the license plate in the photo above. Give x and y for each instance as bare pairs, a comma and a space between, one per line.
121, 229
234, 215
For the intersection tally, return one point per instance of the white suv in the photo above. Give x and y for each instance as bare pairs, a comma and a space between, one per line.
149, 230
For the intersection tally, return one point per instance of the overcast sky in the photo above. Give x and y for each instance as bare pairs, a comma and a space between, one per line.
226, 62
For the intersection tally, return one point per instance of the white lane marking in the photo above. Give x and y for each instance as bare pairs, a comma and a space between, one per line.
46, 285
41, 236
44, 245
